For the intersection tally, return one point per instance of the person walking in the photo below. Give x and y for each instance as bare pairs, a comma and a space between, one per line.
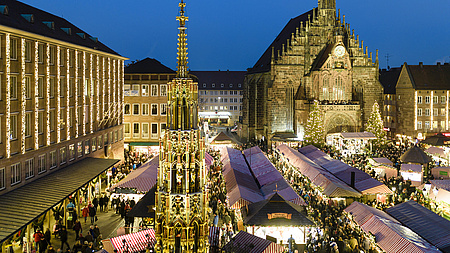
63, 238
77, 227
85, 213
38, 239
92, 213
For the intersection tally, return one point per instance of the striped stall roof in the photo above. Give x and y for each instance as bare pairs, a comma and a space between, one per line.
441, 184
245, 242
424, 222
214, 237
362, 213
141, 179
135, 242
411, 167
208, 160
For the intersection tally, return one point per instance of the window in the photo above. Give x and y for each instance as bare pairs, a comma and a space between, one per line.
135, 130
80, 149
419, 124
145, 109
13, 87
427, 99
435, 112
135, 90
52, 55
87, 146
105, 139
443, 99
427, 124
427, 112
435, 124
163, 129
27, 87
419, 112
28, 125
29, 168
52, 159
127, 90
41, 164
62, 155
13, 126
225, 92
154, 130
41, 122
231, 85
115, 136
442, 124
435, 99
120, 134
154, 109
2, 179
145, 131
163, 109
71, 152
71, 89
41, 87
13, 49
163, 88
15, 174
127, 109
28, 48
442, 111
71, 113
145, 90
221, 92
94, 144
62, 57
100, 142
127, 130
135, 109
225, 100
154, 90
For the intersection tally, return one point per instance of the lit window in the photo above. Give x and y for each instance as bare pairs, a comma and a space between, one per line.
80, 149
87, 146
145, 90
135, 109
427, 112
145, 131
127, 130
443, 99
127, 109
41, 164
15, 174
62, 155
2, 178
435, 112
94, 144
163, 88
154, 90
135, 90
154, 109
29, 168
145, 109
135, 130
154, 130
126, 90
163, 109
427, 99
71, 152
419, 124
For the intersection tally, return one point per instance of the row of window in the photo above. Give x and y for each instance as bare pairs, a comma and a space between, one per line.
222, 108
14, 87
435, 124
145, 90
222, 85
435, 99
68, 153
143, 130
220, 100
435, 112
220, 92
143, 109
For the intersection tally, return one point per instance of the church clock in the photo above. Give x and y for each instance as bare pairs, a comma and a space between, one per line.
339, 51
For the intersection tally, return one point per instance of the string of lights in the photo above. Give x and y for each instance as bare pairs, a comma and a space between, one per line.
68, 119
36, 95
47, 96
8, 95
58, 95
76, 93
23, 95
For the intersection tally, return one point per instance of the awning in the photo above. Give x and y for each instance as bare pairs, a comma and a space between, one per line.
134, 242
359, 135
141, 179
383, 160
23, 205
144, 144
245, 242
411, 167
144, 208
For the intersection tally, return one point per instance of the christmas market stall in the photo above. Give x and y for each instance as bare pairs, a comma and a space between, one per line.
245, 242
223, 140
145, 208
135, 242
439, 192
441, 172
277, 218
412, 172
438, 154
387, 232
383, 167
350, 143
427, 224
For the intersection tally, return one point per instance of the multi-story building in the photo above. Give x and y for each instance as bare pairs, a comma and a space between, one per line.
423, 99
317, 56
388, 108
145, 104
220, 96
60, 102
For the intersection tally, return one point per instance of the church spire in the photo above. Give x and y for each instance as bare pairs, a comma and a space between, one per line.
182, 69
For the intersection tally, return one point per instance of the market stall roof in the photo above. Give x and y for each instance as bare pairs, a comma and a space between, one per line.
437, 140
245, 242
383, 160
23, 205
424, 222
143, 178
363, 181
411, 167
331, 185
441, 184
358, 135
415, 155
285, 137
436, 151
144, 207
222, 138
208, 160
390, 234
275, 211
135, 242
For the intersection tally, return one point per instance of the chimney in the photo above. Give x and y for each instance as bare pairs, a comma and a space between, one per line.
421, 64
352, 179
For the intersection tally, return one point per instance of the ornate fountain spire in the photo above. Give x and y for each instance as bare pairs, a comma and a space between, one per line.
182, 69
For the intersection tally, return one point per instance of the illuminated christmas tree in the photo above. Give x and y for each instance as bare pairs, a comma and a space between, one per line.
315, 130
375, 125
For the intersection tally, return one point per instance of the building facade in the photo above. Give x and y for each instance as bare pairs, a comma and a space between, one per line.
60, 95
315, 57
422, 97
181, 198
220, 96
145, 104
389, 78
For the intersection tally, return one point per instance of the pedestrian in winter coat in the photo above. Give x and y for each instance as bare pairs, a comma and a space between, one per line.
63, 237
92, 213
77, 228
85, 213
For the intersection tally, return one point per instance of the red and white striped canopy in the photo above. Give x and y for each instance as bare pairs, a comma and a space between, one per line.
135, 242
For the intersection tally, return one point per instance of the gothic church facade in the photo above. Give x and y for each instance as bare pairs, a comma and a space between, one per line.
315, 57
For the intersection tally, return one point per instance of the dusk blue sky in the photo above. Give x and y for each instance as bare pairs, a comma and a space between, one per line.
233, 34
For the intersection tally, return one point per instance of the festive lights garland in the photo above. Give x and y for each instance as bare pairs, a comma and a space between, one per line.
109, 87
83, 94
121, 89
103, 87
415, 111
67, 95
91, 97
98, 89
76, 93
47, 99
431, 110
22, 98
8, 96
446, 112
58, 94
36, 95
114, 88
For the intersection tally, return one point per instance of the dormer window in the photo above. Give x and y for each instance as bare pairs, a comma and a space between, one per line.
231, 85
213, 85
67, 30
82, 35
28, 17
239, 85
222, 85
4, 9
49, 24
95, 39
204, 85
